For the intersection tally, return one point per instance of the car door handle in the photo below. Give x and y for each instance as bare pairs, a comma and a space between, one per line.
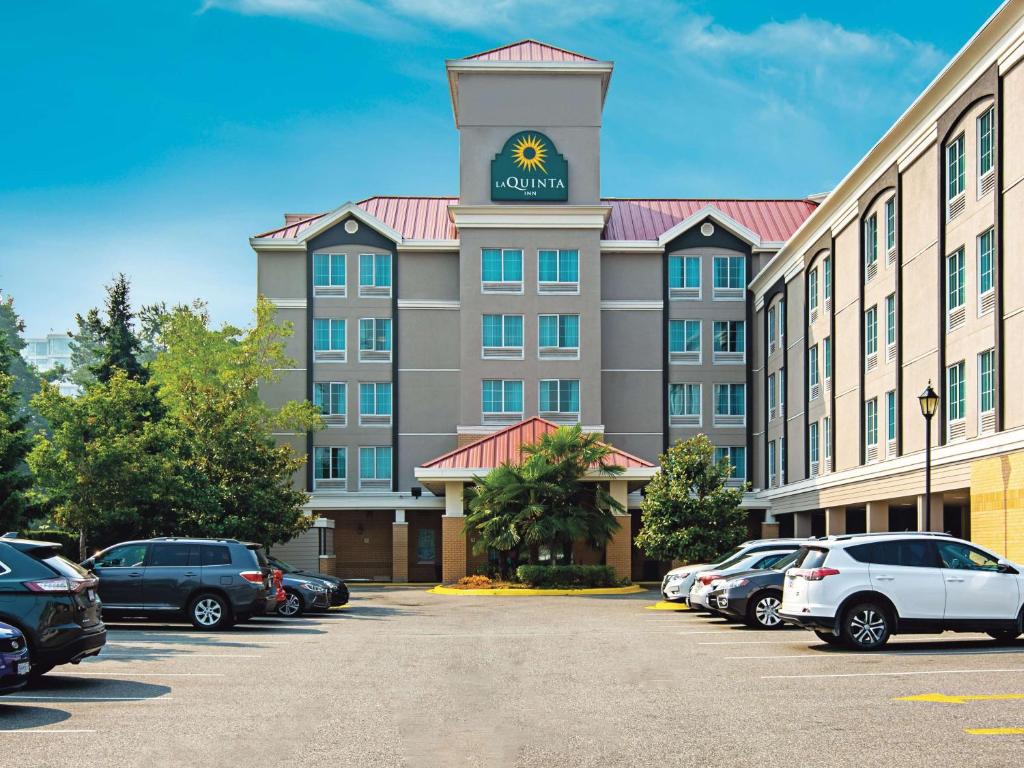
191, 573
953, 578
886, 578
136, 574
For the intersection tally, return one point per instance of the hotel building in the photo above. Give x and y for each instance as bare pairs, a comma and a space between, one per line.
439, 333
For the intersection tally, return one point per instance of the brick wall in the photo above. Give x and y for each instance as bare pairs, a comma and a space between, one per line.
400, 552
453, 548
619, 550
997, 504
362, 544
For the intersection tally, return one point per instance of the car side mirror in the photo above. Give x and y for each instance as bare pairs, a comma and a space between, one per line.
1005, 566
88, 564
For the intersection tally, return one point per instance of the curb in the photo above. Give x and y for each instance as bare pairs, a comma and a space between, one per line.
633, 589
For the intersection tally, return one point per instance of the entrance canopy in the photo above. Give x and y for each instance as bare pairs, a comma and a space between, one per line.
506, 445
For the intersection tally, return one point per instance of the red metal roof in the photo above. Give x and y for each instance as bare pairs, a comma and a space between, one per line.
426, 218
528, 50
506, 445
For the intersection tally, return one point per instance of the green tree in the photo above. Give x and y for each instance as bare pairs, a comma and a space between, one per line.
687, 512
120, 347
544, 501
86, 345
15, 442
26, 377
208, 379
113, 466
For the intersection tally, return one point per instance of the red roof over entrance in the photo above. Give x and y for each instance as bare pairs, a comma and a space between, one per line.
506, 445
528, 50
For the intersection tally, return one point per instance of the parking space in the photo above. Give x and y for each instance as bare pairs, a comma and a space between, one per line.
405, 678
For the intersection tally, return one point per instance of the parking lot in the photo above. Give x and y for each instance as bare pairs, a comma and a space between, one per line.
401, 677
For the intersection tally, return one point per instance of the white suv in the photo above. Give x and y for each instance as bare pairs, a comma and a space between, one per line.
857, 590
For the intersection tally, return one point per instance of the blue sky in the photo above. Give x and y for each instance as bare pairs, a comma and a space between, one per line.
154, 137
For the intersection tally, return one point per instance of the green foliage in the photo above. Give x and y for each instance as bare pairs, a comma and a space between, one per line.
119, 348
15, 442
26, 377
687, 512
208, 380
568, 576
543, 501
86, 344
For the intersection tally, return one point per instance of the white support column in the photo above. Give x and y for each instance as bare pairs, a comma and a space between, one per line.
877, 516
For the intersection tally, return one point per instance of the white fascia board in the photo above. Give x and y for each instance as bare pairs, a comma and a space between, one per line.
468, 475
716, 215
529, 217
631, 246
429, 245
999, 35
353, 210
260, 244
633, 305
358, 501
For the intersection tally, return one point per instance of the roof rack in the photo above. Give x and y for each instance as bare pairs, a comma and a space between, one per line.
193, 538
847, 536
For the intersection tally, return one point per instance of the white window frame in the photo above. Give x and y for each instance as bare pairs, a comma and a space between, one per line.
375, 419
504, 416
772, 335
955, 200
870, 255
331, 417
892, 423
986, 299
728, 357
728, 419
986, 179
890, 229
559, 352
773, 395
330, 483
334, 291
870, 339
890, 346
729, 293
736, 479
375, 483
559, 286
505, 351
687, 292
812, 295
870, 415
376, 291
773, 464
986, 418
686, 356
332, 354
687, 419
955, 425
560, 416
813, 374
375, 355
956, 315
813, 447
503, 285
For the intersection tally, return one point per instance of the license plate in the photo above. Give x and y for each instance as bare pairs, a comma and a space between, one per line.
92, 595
23, 667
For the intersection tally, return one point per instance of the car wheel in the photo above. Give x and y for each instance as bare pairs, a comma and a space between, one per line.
209, 611
292, 605
763, 612
866, 627
828, 637
1004, 635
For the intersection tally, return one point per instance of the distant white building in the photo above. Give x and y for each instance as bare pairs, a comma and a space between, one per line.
49, 351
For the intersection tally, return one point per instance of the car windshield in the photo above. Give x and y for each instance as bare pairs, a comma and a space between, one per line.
65, 567
728, 556
286, 567
261, 556
786, 562
731, 563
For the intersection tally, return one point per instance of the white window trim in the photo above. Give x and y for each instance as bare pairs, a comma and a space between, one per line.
686, 293
559, 287
375, 355
335, 420
375, 483
503, 352
560, 353
700, 407
959, 423
986, 297
982, 178
332, 291
726, 357
960, 310
331, 355
373, 420
334, 483
570, 417
728, 294
682, 360
505, 416
513, 287
991, 412
374, 291
959, 197
727, 420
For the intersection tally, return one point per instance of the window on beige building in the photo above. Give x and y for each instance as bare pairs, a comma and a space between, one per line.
956, 398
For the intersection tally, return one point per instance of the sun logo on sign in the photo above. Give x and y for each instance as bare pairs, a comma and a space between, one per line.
529, 153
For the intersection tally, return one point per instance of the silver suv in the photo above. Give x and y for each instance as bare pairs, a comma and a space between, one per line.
675, 586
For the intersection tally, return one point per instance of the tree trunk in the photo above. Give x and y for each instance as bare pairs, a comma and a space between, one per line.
81, 545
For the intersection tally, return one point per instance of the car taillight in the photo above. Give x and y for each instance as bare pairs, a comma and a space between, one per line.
707, 578
280, 596
815, 574
60, 585
278, 577
256, 577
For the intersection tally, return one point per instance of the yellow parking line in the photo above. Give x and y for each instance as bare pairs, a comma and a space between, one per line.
664, 605
993, 731
942, 698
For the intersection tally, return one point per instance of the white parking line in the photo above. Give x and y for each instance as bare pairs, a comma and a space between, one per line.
47, 730
122, 673
876, 655
156, 652
894, 674
753, 642
89, 698
707, 632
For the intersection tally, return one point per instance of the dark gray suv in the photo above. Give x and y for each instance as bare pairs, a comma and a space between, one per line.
213, 582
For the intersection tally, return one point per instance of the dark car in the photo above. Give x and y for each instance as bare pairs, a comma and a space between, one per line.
51, 601
14, 662
212, 582
754, 597
338, 590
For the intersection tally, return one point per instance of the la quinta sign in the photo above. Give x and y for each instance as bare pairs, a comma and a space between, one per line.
529, 168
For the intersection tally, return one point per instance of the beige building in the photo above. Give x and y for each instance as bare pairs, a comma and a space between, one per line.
907, 273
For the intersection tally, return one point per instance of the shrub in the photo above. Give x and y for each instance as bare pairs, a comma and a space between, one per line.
476, 581
568, 576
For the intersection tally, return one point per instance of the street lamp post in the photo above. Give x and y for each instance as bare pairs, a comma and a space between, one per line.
929, 401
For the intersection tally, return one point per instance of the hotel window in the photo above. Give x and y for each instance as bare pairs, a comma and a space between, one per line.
955, 204
812, 294
871, 428
560, 399
782, 390
772, 400
826, 353
502, 336
871, 338
375, 468
870, 247
559, 337
684, 341
826, 281
813, 446
826, 437
375, 404
331, 397
737, 459
955, 293
328, 340
890, 230
987, 390
684, 405
814, 385
328, 274
986, 179
772, 464
986, 294
782, 323
330, 471
956, 396
501, 270
558, 271
729, 341
890, 421
782, 460
684, 277
375, 274
730, 405
890, 327
771, 330
729, 277
374, 340
501, 401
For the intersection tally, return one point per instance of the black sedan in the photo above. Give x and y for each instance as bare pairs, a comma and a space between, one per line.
754, 597
338, 591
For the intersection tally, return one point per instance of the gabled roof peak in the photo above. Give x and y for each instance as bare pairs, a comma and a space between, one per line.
528, 50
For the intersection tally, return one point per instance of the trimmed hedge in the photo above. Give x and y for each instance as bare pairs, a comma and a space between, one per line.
568, 576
